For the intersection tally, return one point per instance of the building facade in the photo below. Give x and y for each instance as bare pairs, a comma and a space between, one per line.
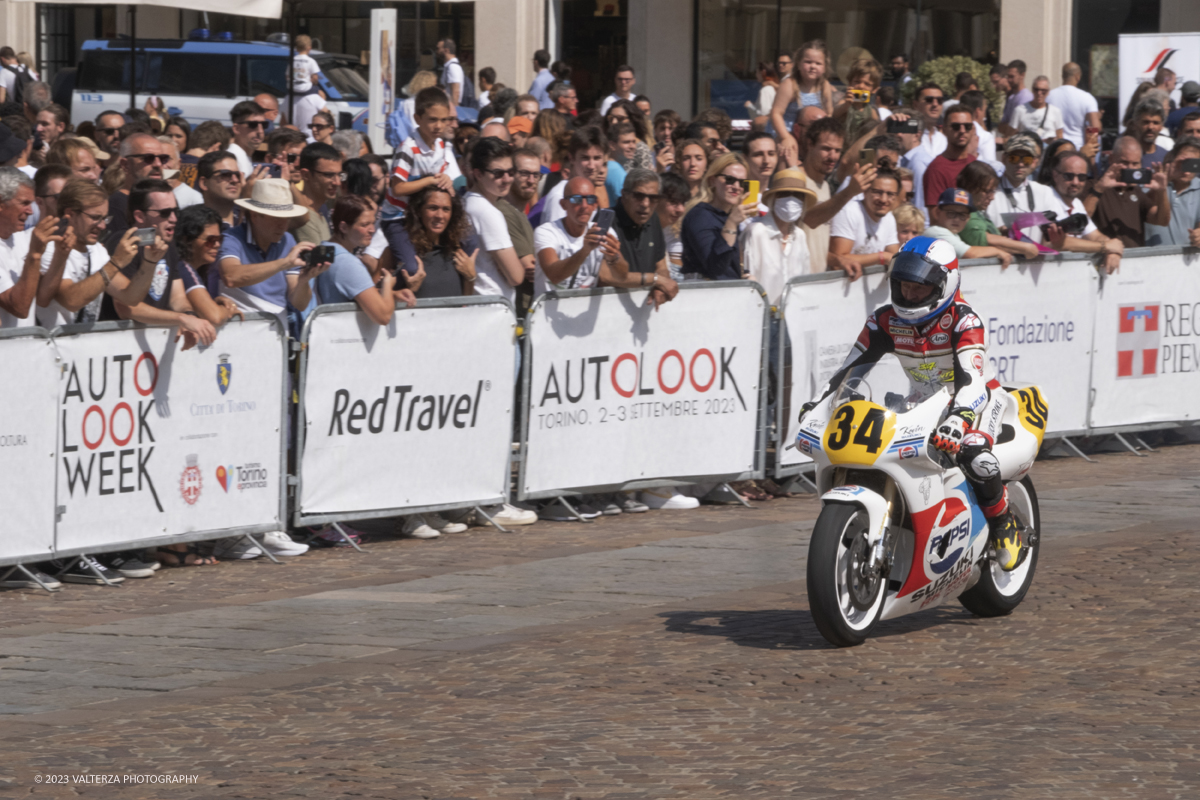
688, 54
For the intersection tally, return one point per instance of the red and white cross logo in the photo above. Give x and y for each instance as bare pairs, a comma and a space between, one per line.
1138, 335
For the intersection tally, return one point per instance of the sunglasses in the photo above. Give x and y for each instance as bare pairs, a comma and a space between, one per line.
258, 123
1074, 176
213, 241
227, 175
107, 131
589, 199
961, 126
732, 181
164, 213
1025, 161
150, 158
642, 197
317, 127
292, 158
497, 174
937, 100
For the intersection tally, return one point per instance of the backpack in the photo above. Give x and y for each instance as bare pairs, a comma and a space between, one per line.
21, 79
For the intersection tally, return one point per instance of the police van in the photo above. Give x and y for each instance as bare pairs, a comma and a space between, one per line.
203, 79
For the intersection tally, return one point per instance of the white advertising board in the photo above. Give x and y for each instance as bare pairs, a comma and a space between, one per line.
1038, 319
28, 427
157, 442
414, 414
381, 73
1147, 362
1140, 55
619, 392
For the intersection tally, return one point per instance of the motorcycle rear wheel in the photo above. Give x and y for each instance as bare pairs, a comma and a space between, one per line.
845, 605
998, 592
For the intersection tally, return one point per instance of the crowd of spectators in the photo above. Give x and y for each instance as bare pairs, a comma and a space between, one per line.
138, 215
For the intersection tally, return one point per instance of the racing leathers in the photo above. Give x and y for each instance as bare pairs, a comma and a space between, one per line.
946, 349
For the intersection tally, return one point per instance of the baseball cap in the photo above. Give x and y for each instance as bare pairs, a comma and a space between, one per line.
1190, 91
956, 197
10, 145
1024, 143
520, 125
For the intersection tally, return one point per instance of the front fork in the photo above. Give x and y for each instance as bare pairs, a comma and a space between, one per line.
878, 562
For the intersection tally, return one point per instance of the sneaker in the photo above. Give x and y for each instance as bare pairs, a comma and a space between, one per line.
443, 525
279, 543
19, 580
607, 504
235, 548
507, 515
723, 494
1010, 551
630, 504
415, 528
131, 566
587, 510
328, 536
82, 572
667, 499
554, 511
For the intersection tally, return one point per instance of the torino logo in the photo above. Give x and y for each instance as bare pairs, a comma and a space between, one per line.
631, 375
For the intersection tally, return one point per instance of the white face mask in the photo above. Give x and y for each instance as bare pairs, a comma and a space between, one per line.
789, 209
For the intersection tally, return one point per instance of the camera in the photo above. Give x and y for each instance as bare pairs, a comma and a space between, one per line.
1188, 164
145, 236
858, 95
906, 126
318, 255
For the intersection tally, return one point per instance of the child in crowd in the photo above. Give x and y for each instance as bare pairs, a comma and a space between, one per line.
980, 181
422, 160
950, 217
909, 222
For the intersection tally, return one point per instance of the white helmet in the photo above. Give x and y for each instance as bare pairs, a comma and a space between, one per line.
930, 262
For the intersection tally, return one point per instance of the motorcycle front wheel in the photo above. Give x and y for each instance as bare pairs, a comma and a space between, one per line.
845, 602
998, 592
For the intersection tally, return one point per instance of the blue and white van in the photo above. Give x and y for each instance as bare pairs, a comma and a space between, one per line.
204, 79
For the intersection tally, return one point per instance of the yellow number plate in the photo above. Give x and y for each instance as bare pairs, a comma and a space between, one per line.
858, 433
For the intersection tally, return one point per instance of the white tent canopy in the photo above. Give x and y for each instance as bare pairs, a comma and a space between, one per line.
268, 9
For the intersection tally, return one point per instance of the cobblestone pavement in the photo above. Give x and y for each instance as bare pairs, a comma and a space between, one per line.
662, 655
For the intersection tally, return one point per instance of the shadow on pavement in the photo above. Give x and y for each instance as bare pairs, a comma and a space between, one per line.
794, 629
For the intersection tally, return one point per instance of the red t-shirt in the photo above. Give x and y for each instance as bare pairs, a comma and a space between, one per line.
940, 175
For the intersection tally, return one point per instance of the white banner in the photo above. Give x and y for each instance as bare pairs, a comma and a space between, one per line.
158, 442
381, 72
1147, 362
619, 392
1140, 55
28, 427
414, 414
1038, 320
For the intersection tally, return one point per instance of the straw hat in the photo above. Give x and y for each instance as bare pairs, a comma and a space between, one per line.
273, 197
789, 180
92, 147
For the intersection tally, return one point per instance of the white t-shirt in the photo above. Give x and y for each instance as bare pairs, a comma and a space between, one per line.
987, 143
555, 236
1075, 104
452, 73
553, 209
492, 231
79, 266
28, 170
608, 101
245, 165
304, 67
12, 263
1065, 209
8, 79
1043, 122
378, 244
853, 223
187, 196
1010, 200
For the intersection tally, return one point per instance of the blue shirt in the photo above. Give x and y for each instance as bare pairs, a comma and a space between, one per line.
268, 295
705, 251
1176, 117
538, 88
1185, 216
614, 182
345, 280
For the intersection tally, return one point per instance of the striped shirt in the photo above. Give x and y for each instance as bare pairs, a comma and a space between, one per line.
415, 160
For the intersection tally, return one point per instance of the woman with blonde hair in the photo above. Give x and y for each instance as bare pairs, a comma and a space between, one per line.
710, 228
808, 85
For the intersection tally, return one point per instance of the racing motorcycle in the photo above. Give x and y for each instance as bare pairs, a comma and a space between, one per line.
901, 529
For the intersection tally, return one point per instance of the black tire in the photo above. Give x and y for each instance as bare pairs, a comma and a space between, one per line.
987, 598
826, 563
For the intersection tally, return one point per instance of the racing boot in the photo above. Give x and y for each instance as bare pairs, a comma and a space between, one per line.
1006, 536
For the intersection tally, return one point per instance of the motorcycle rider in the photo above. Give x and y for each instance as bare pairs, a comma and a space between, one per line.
939, 339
